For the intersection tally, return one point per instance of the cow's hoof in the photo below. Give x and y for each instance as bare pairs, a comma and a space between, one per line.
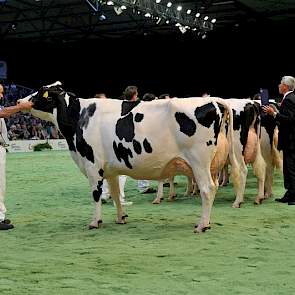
123, 220
157, 201
95, 225
172, 198
201, 229
258, 201
237, 205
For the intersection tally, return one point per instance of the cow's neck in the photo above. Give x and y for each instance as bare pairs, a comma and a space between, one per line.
68, 112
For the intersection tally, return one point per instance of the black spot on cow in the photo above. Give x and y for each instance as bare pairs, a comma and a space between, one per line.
209, 142
269, 123
243, 121
125, 128
83, 147
86, 114
206, 116
138, 117
137, 146
187, 125
91, 109
100, 172
67, 118
122, 153
96, 195
147, 147
99, 185
128, 106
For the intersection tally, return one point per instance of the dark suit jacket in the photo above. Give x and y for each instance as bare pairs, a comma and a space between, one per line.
286, 120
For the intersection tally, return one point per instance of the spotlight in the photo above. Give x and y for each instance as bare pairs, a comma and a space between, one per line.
182, 29
169, 4
102, 17
110, 3
179, 8
189, 11
198, 14
159, 20
118, 10
213, 21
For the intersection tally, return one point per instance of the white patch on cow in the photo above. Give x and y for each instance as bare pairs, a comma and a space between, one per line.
67, 99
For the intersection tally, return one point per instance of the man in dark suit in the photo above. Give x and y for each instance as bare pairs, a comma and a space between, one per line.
286, 142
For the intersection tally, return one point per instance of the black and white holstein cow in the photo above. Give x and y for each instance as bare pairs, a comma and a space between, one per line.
247, 147
109, 137
255, 137
269, 142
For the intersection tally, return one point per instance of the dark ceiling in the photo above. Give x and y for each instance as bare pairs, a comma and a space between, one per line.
73, 20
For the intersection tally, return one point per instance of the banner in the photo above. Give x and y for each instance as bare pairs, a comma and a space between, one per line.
20, 146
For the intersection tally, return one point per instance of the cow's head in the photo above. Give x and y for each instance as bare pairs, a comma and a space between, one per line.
45, 101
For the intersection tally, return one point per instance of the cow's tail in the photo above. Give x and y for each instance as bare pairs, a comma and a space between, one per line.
228, 114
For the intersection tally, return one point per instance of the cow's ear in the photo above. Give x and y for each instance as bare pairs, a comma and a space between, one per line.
45, 94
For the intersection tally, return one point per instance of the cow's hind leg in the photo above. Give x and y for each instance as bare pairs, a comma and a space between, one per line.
259, 169
207, 192
160, 193
239, 183
172, 192
115, 193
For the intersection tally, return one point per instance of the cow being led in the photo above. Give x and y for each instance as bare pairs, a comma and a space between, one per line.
109, 137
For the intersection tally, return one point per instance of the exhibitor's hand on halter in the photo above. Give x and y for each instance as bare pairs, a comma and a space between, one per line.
269, 110
25, 105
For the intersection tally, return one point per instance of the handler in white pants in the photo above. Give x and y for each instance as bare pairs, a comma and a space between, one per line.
5, 113
106, 193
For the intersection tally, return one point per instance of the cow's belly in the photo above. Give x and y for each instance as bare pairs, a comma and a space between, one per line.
152, 169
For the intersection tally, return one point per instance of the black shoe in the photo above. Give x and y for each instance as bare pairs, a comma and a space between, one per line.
5, 226
282, 200
291, 202
7, 221
149, 191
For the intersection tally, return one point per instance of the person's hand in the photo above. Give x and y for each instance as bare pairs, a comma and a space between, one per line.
25, 105
269, 110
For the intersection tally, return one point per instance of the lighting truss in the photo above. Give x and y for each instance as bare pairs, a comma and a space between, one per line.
167, 13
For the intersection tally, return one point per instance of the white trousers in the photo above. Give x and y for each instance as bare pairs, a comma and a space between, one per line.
2, 182
105, 188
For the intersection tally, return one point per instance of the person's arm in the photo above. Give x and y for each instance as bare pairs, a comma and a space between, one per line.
289, 118
8, 111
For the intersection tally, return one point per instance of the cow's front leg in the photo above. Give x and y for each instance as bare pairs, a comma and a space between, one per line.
96, 180
115, 193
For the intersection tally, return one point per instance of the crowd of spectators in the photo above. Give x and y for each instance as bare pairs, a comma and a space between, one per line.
24, 125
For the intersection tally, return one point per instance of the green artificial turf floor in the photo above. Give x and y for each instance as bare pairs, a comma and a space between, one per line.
248, 250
